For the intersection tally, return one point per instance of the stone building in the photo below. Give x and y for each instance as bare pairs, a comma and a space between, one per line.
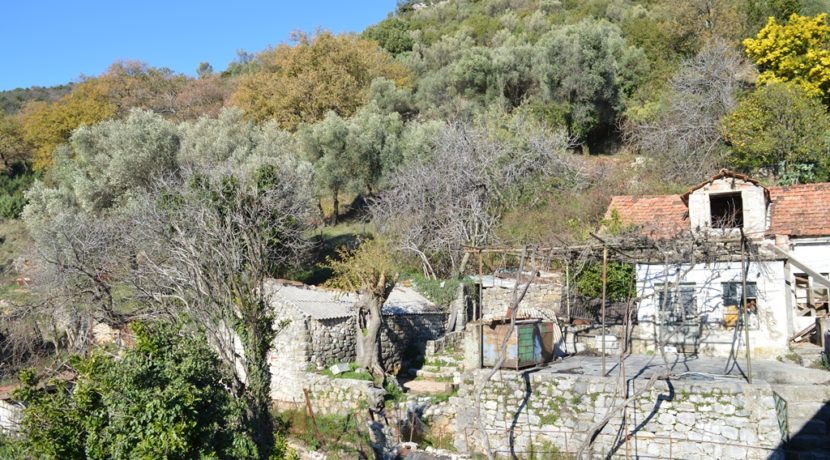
316, 329
696, 305
541, 301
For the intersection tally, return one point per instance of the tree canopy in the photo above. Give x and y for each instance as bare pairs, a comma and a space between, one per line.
326, 72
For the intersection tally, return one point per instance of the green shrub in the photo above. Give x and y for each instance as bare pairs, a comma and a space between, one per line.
619, 284
164, 398
13, 185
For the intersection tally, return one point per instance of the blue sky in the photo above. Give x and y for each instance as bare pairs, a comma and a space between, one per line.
46, 43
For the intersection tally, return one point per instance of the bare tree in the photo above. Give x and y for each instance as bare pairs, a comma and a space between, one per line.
684, 138
83, 262
207, 247
434, 207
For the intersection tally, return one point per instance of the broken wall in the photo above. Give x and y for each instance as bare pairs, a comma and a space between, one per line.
541, 301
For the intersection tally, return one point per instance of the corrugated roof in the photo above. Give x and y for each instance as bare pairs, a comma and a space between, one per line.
315, 302
319, 303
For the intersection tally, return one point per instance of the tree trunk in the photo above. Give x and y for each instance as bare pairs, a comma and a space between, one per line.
335, 213
368, 334
256, 339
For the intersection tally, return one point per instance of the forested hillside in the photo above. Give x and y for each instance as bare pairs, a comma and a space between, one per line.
148, 195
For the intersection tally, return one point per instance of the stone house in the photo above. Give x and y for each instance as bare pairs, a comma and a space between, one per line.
316, 329
697, 305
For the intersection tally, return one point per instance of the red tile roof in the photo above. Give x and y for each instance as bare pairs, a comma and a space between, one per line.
800, 210
657, 216
797, 210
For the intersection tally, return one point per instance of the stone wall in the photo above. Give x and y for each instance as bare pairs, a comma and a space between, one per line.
541, 301
304, 344
336, 396
404, 338
288, 358
547, 411
332, 341
10, 415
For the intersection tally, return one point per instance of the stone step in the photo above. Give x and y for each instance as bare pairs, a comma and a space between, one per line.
428, 387
803, 393
432, 368
435, 375
808, 410
808, 426
444, 360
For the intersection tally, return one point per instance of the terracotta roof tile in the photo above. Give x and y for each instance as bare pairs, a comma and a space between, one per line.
797, 210
800, 210
656, 216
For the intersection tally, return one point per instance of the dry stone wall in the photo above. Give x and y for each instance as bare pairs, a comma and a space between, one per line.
544, 411
541, 301
332, 341
405, 337
11, 414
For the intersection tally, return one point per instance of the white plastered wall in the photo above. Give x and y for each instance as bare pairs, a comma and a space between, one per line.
768, 339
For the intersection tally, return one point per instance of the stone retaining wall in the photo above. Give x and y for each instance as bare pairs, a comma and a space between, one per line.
548, 411
335, 396
10, 416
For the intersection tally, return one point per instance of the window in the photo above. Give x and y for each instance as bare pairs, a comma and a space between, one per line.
727, 210
677, 303
733, 294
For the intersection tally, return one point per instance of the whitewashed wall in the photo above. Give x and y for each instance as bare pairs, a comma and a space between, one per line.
753, 201
768, 339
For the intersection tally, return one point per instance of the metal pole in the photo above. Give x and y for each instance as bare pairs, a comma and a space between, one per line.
604, 284
744, 269
568, 288
478, 313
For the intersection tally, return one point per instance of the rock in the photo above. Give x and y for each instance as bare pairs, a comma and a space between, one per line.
338, 369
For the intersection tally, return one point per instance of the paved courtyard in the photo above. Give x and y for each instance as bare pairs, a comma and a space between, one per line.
692, 368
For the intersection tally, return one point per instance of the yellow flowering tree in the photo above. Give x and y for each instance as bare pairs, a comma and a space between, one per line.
796, 51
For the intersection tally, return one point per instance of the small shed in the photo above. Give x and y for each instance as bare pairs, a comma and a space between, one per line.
317, 328
530, 344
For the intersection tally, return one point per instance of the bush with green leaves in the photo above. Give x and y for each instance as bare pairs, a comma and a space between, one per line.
619, 281
13, 185
164, 398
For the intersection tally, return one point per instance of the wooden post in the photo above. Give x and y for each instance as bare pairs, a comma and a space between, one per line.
604, 284
622, 378
311, 413
788, 299
744, 269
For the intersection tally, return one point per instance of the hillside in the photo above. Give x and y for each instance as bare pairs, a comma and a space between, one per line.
154, 206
